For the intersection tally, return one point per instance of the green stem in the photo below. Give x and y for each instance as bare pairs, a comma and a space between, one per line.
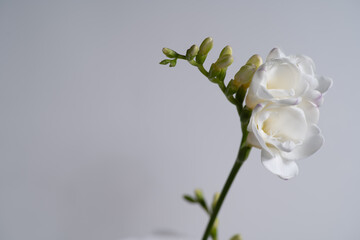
214, 80
241, 157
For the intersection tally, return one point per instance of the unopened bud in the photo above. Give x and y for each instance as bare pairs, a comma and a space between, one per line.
236, 237
192, 52
206, 46
225, 61
214, 70
232, 87
215, 200
256, 60
244, 76
204, 49
169, 53
226, 50
199, 194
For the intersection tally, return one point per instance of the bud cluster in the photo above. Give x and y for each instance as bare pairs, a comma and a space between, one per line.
197, 55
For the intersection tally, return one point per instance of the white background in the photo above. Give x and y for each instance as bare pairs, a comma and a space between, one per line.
99, 141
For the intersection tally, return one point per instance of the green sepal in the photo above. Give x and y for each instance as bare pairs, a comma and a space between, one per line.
200, 59
173, 63
165, 61
189, 199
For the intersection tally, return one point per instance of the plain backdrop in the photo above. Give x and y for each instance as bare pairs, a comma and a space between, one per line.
99, 141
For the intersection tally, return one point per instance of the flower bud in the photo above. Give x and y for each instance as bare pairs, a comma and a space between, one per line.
204, 49
206, 46
244, 76
172, 63
232, 88
256, 60
169, 53
226, 50
215, 200
224, 61
214, 70
236, 237
199, 194
192, 52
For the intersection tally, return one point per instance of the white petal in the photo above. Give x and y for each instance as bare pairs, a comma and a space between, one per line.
284, 123
253, 127
314, 96
288, 101
275, 53
311, 111
312, 143
285, 169
252, 140
324, 84
305, 63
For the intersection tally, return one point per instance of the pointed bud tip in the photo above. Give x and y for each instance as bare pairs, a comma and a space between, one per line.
244, 76
224, 61
236, 237
206, 46
199, 194
169, 53
256, 60
192, 52
226, 50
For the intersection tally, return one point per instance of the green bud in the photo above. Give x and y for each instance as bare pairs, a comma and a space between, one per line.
165, 61
214, 70
172, 63
244, 76
213, 231
256, 60
206, 46
232, 87
226, 50
204, 49
192, 52
224, 61
199, 194
169, 53
215, 200
236, 237
216, 223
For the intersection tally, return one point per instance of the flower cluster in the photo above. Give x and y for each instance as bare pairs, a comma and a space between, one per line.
285, 94
278, 105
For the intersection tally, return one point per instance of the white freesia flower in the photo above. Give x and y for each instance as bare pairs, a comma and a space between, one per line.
287, 80
285, 94
284, 134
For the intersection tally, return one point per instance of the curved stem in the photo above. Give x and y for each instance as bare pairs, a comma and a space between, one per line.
241, 157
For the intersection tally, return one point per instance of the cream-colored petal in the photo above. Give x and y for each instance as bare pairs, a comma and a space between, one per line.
305, 63
311, 111
274, 54
252, 140
324, 84
284, 123
285, 169
311, 144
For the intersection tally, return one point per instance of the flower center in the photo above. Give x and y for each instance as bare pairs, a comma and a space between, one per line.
285, 124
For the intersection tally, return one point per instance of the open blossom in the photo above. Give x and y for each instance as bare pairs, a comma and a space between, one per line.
287, 80
285, 94
284, 134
